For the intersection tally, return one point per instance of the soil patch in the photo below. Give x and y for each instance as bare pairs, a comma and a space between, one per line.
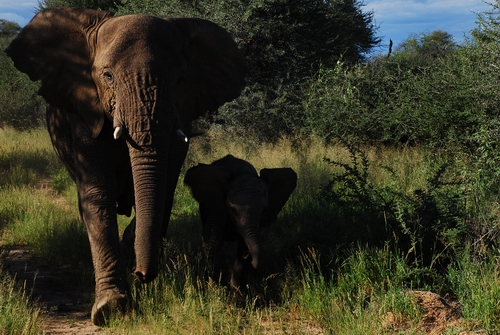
67, 304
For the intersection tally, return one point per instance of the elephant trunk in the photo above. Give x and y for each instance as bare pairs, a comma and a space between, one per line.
150, 128
251, 236
247, 198
149, 171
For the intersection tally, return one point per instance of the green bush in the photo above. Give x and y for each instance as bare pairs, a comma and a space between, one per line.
427, 224
20, 106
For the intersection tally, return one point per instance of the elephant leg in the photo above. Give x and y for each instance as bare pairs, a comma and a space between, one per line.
127, 245
239, 275
217, 267
213, 246
176, 156
99, 217
97, 184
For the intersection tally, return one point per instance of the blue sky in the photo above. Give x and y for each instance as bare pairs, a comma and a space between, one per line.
20, 11
397, 19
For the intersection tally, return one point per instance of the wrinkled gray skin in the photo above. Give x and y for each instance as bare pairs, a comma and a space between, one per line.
140, 77
234, 204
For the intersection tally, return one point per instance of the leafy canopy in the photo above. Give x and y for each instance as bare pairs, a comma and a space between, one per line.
8, 28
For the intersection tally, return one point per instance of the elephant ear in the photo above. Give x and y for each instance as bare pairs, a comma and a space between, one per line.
208, 184
215, 69
281, 183
54, 48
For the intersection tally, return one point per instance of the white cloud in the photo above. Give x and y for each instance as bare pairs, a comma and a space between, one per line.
20, 11
21, 20
18, 4
13, 17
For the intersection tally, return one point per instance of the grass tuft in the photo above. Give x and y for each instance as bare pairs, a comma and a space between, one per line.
18, 315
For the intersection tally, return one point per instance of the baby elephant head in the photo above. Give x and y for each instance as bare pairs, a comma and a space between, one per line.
234, 204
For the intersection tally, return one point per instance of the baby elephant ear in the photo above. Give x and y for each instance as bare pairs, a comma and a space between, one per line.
281, 183
215, 69
208, 183
54, 48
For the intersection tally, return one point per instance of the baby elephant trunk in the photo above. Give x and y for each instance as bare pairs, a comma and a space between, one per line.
247, 198
252, 254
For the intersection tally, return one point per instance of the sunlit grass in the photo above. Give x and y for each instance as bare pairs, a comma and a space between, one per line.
26, 157
477, 285
356, 299
18, 315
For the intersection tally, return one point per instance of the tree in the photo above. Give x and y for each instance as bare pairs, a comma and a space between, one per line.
427, 47
488, 25
21, 107
429, 91
293, 38
94, 4
8, 28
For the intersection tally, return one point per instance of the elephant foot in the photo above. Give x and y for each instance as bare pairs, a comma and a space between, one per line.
113, 303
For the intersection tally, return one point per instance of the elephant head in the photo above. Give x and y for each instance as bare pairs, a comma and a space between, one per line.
234, 204
139, 79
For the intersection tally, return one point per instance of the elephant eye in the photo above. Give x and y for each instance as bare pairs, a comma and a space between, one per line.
108, 76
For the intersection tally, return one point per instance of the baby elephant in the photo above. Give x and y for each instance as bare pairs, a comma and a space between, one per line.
234, 204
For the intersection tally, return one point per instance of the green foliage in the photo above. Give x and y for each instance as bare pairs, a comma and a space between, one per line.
439, 98
477, 285
94, 4
360, 291
356, 202
8, 28
488, 25
426, 224
427, 47
483, 54
21, 107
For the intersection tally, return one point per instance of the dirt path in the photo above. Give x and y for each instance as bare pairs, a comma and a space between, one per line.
57, 291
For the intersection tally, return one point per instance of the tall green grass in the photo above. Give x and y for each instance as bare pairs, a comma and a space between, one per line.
322, 274
18, 315
26, 157
476, 282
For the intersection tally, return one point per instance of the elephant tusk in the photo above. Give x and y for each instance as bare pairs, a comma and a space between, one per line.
182, 135
247, 254
118, 133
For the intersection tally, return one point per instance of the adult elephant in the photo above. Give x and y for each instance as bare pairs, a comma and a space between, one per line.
234, 204
122, 92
